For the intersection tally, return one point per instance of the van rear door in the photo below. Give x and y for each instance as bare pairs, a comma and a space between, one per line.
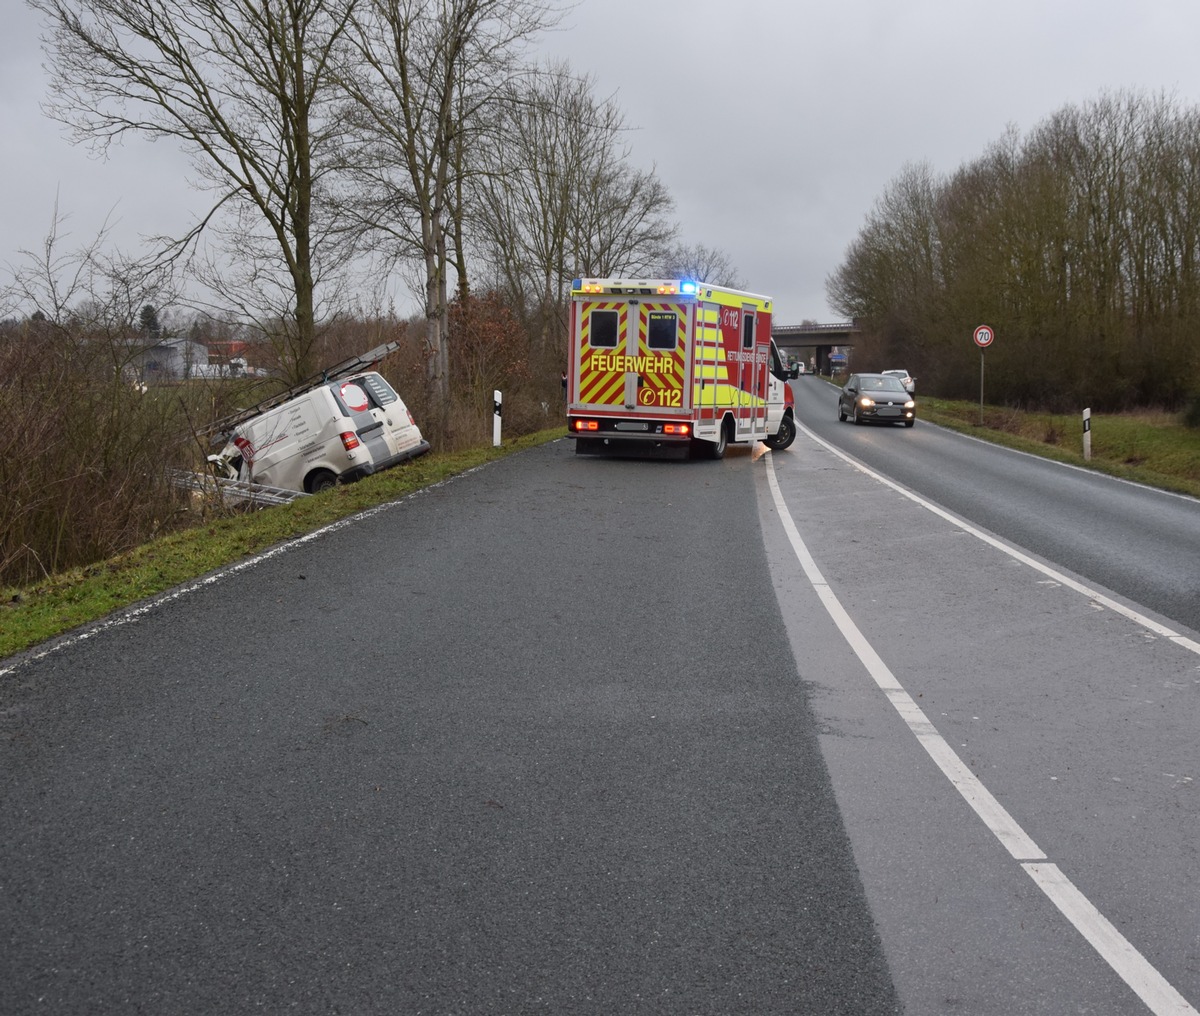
370, 429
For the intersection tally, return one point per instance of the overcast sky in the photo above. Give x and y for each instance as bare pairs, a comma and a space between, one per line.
775, 125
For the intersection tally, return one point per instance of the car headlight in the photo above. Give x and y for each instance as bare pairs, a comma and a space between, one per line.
910, 404
866, 403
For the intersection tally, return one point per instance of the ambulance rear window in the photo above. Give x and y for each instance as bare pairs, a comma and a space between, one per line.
603, 329
663, 331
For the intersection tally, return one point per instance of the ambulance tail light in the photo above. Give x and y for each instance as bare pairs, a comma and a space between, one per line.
587, 425
349, 440
677, 429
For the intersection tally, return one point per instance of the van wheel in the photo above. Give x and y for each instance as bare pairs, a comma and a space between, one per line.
321, 480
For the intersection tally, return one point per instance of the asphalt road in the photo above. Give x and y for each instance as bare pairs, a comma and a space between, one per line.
1140, 543
533, 741
574, 735
1076, 719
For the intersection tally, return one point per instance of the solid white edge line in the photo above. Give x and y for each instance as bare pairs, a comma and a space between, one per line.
1116, 950
1132, 967
135, 613
1003, 826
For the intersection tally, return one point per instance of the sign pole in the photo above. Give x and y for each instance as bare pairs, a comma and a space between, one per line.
981, 358
984, 336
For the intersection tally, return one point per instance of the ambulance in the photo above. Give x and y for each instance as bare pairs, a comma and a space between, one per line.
672, 367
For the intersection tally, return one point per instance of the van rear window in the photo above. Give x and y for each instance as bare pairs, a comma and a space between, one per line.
380, 391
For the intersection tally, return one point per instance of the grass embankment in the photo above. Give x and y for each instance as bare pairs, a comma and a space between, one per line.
1153, 448
33, 614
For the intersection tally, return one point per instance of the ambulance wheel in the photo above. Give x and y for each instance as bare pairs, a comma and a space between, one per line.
786, 435
321, 480
716, 449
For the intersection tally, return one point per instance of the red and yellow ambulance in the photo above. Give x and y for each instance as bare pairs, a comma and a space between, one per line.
668, 366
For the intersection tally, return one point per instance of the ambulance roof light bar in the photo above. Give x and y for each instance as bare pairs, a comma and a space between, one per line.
680, 287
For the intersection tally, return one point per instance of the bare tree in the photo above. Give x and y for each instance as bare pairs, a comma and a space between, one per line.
423, 75
704, 264
84, 453
553, 195
88, 300
246, 87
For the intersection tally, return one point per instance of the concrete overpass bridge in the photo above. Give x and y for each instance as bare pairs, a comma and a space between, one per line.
814, 342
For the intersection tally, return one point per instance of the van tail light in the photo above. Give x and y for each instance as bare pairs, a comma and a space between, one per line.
349, 440
410, 417
679, 429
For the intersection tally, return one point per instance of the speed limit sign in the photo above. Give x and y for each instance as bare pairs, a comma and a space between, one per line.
984, 336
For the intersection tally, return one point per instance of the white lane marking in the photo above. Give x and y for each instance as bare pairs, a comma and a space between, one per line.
1118, 952
1134, 969
1181, 640
1015, 839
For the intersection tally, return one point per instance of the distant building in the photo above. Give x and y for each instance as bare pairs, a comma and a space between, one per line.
171, 359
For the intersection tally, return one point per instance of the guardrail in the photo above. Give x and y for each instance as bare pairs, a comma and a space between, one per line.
843, 327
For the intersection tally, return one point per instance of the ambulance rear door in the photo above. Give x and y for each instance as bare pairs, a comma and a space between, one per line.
664, 383
632, 356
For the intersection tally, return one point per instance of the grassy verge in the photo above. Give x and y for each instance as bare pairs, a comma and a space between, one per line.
1147, 447
33, 614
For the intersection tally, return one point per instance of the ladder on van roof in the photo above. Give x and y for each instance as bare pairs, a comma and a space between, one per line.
224, 427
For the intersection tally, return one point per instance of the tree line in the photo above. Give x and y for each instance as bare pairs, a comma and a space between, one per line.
1079, 244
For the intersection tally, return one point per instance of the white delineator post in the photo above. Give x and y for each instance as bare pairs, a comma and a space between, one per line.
1087, 435
496, 401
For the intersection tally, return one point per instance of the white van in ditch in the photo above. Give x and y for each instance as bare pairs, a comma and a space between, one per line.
337, 431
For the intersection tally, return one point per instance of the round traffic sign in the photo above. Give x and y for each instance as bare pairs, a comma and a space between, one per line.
984, 336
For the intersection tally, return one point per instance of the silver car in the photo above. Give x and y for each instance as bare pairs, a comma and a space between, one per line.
909, 382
